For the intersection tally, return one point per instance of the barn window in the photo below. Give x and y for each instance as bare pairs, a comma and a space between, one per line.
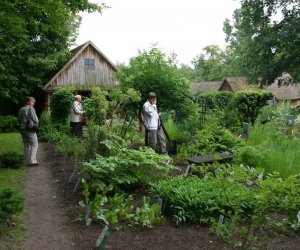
89, 64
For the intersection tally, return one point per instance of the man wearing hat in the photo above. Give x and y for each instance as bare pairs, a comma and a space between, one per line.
152, 123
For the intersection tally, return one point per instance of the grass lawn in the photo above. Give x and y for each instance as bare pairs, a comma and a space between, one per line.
12, 178
11, 142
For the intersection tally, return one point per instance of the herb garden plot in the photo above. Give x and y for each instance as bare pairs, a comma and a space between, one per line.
253, 206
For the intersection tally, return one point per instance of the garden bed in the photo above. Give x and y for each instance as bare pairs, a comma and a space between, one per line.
164, 236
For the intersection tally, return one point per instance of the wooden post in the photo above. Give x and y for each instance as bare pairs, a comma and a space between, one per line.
47, 101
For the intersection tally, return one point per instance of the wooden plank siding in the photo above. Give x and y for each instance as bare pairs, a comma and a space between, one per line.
76, 74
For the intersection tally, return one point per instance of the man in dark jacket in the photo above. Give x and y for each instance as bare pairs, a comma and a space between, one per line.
29, 121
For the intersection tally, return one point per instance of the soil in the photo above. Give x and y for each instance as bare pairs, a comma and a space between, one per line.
52, 209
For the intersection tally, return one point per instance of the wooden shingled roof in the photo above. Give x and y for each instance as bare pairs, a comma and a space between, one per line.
236, 84
206, 86
285, 92
284, 88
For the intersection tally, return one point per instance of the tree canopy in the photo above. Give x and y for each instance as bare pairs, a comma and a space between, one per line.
265, 38
34, 41
154, 71
214, 64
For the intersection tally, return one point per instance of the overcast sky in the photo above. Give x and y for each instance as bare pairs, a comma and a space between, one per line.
183, 27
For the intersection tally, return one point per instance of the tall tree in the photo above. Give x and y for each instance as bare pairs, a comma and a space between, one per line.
154, 71
265, 38
34, 39
214, 64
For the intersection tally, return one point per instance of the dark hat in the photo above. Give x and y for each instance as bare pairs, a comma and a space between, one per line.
151, 94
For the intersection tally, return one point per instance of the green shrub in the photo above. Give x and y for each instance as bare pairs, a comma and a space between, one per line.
11, 160
249, 102
95, 135
11, 203
125, 168
71, 146
269, 114
251, 157
154, 71
215, 99
190, 199
122, 169
97, 106
190, 125
50, 131
8, 123
210, 140
60, 103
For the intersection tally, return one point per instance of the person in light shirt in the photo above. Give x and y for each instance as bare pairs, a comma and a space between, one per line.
76, 117
156, 137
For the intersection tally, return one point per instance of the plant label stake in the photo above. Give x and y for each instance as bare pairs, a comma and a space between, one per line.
221, 220
88, 211
160, 203
246, 131
290, 123
72, 175
76, 186
100, 243
187, 171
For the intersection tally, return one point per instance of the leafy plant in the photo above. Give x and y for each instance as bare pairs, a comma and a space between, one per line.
97, 106
11, 203
253, 204
71, 146
51, 131
119, 208
123, 101
209, 140
215, 99
11, 160
61, 101
147, 214
8, 123
173, 129
122, 169
251, 156
249, 102
126, 168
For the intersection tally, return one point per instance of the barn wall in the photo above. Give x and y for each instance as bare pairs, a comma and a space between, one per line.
226, 86
75, 74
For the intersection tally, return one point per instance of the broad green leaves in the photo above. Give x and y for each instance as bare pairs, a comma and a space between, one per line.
252, 204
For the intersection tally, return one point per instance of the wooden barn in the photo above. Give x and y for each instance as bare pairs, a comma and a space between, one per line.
229, 84
87, 67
